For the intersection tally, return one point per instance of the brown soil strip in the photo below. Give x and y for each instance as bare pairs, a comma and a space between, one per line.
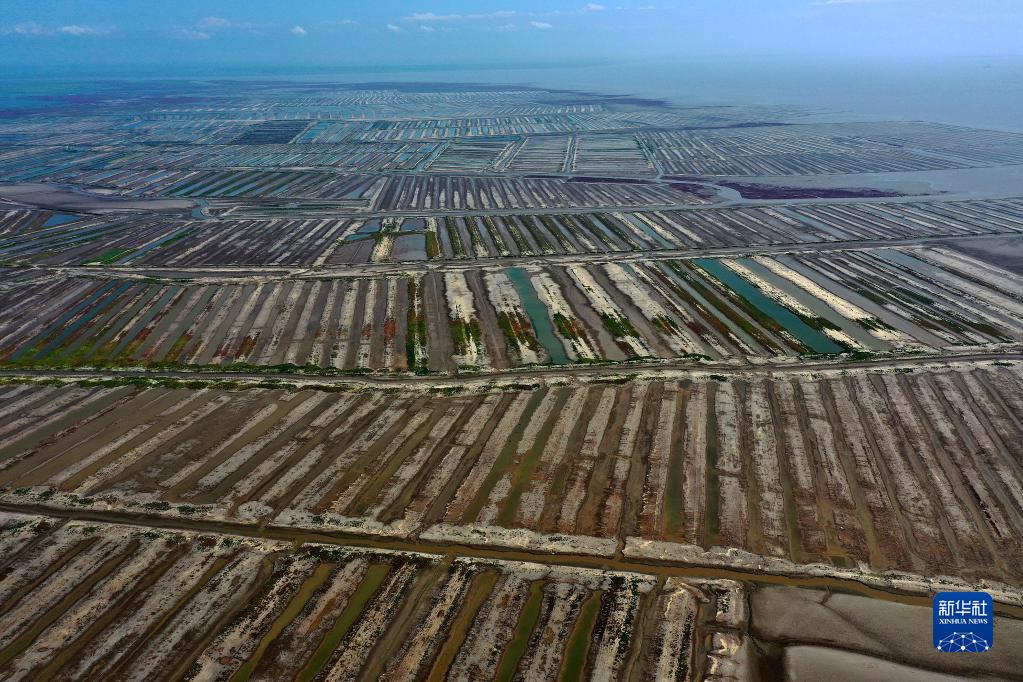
526, 468
995, 436
309, 587
796, 550
195, 402
129, 602
244, 600
671, 512
493, 337
355, 333
712, 488
666, 568
61, 607
962, 491
158, 626
49, 430
331, 324
588, 519
396, 509
505, 458
643, 636
437, 508
754, 532
866, 522
351, 433
241, 439
440, 347
364, 462
48, 572
381, 477
293, 460
378, 318
900, 554
1013, 514
561, 474
477, 594
826, 515
632, 504
414, 608
908, 541
41, 465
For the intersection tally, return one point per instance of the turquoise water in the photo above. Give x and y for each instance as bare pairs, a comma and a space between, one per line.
59, 219
819, 308
810, 337
197, 212
537, 313
649, 231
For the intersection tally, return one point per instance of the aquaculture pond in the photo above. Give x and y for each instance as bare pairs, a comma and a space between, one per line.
852, 329
810, 337
649, 231
410, 247
537, 312
413, 224
60, 219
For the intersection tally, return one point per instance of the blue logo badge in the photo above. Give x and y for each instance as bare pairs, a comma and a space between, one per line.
963, 621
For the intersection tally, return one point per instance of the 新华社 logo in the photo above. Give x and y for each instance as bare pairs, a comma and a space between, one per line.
963, 622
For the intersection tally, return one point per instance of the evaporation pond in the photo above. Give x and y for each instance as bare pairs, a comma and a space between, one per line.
537, 313
810, 337
60, 219
410, 247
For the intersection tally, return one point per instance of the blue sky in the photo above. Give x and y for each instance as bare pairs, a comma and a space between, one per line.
50, 33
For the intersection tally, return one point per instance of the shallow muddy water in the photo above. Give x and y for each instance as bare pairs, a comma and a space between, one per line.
410, 247
817, 342
537, 312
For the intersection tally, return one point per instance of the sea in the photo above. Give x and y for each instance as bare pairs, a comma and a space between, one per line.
982, 92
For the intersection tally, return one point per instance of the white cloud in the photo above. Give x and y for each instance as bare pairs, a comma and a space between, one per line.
431, 17
190, 34
31, 28
34, 29
299, 31
428, 29
593, 7
78, 30
213, 22
543, 25
392, 27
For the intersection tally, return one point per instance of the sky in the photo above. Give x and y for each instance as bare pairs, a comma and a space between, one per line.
42, 35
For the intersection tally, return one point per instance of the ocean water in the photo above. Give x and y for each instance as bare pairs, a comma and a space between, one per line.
984, 93
978, 92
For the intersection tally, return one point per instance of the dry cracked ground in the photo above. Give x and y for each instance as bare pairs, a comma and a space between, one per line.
488, 383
